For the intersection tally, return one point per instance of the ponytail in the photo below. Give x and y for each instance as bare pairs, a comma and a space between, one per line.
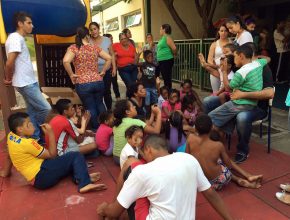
82, 32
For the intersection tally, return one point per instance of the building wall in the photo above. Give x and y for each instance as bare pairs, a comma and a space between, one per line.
119, 10
188, 13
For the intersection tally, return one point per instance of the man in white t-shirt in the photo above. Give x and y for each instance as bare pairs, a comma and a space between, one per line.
20, 74
169, 181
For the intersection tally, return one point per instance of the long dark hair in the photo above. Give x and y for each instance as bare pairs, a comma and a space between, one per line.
82, 32
186, 101
120, 111
218, 29
236, 19
175, 120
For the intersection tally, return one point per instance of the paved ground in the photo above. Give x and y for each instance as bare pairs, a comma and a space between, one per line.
18, 200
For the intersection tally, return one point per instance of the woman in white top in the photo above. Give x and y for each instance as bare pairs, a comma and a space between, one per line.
236, 26
215, 54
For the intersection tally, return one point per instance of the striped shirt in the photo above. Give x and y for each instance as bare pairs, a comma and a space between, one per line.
249, 78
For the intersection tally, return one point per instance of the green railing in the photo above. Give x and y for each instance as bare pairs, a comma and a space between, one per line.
186, 64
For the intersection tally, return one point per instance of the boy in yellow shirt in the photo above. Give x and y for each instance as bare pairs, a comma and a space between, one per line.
40, 166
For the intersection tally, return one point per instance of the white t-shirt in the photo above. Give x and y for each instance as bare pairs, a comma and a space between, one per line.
170, 183
127, 152
245, 37
23, 73
160, 101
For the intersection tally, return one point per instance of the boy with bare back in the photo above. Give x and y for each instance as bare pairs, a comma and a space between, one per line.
214, 160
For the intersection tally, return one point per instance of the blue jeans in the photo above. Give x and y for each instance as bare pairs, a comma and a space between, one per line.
37, 107
91, 95
53, 170
128, 74
226, 112
243, 122
151, 96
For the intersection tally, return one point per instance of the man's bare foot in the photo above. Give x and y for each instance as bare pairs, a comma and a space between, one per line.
247, 184
201, 59
256, 178
93, 187
95, 177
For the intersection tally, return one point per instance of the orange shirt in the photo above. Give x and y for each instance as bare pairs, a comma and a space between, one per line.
86, 63
124, 56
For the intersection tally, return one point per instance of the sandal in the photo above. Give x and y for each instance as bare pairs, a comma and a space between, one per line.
285, 187
283, 197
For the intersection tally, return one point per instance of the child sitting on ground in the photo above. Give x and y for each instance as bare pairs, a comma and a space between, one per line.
104, 134
213, 158
171, 105
134, 135
186, 88
163, 96
66, 134
174, 132
40, 166
191, 106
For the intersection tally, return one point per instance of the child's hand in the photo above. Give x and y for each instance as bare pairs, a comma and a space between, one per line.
101, 208
224, 65
158, 81
139, 75
46, 128
155, 109
86, 116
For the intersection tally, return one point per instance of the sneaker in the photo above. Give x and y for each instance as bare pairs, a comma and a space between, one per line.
240, 157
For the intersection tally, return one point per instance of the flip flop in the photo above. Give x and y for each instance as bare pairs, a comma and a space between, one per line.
285, 187
281, 196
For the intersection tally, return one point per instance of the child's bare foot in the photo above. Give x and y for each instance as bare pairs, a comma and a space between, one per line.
256, 178
247, 184
201, 59
93, 187
95, 177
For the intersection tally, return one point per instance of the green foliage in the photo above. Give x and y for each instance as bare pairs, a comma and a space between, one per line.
30, 44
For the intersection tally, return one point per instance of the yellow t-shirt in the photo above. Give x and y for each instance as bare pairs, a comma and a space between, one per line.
24, 154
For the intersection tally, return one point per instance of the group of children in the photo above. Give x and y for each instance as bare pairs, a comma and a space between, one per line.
177, 115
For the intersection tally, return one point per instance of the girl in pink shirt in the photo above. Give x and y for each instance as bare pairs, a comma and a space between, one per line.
171, 105
104, 134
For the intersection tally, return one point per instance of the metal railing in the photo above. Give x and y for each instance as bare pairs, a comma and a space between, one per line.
186, 64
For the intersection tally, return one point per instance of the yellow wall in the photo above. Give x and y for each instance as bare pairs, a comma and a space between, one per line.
119, 10
187, 11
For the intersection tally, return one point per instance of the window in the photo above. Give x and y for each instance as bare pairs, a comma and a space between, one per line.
112, 25
133, 19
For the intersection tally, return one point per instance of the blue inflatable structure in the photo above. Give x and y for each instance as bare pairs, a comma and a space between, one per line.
53, 17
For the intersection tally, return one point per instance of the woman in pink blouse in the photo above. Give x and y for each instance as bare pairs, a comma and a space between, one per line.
87, 79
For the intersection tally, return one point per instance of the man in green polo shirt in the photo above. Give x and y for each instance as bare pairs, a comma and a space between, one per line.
248, 79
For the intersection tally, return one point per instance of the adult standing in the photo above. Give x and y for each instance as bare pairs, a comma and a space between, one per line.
126, 60
128, 34
19, 72
114, 78
236, 26
150, 45
106, 45
215, 53
87, 79
281, 40
166, 50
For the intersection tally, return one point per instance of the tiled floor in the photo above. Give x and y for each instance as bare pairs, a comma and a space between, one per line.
18, 200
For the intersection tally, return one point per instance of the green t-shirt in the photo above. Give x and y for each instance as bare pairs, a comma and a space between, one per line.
164, 52
249, 78
119, 134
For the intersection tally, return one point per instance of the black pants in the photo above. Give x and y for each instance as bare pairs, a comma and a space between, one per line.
107, 93
166, 71
116, 86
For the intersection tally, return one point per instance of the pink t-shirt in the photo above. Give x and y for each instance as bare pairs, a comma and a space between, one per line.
167, 105
103, 135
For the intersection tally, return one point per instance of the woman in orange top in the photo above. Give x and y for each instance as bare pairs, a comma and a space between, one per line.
87, 79
126, 55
